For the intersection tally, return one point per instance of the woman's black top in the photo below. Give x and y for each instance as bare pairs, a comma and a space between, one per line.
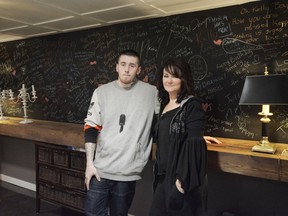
163, 139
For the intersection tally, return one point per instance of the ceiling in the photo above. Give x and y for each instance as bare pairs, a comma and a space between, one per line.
20, 19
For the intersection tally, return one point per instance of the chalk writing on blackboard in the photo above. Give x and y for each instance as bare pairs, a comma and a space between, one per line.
222, 46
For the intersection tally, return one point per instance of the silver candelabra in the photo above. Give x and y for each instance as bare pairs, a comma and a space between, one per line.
4, 94
24, 96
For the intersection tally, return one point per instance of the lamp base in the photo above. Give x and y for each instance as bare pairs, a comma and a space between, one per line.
264, 146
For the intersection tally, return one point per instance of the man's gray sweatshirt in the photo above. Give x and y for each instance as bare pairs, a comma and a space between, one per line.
122, 155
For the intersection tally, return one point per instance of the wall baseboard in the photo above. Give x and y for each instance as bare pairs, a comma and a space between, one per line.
18, 182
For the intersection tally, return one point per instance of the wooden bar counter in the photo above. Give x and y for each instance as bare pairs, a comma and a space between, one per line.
59, 133
235, 156
232, 156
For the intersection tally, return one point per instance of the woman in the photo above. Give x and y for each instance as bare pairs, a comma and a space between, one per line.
180, 168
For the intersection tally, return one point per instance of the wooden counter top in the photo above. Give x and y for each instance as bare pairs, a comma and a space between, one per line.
232, 156
235, 156
44, 131
239, 146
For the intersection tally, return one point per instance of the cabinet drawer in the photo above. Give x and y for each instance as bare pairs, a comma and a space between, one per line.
78, 160
73, 180
49, 174
75, 200
60, 157
44, 154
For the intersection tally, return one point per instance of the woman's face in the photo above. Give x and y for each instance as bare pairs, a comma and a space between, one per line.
171, 83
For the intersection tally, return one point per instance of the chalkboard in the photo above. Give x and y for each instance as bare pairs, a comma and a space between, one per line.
222, 45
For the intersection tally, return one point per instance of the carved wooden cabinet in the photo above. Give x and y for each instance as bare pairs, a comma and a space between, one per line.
60, 175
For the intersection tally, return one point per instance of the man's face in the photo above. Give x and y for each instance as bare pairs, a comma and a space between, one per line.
127, 68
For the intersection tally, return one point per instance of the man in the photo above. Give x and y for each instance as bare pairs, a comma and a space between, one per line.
123, 111
119, 118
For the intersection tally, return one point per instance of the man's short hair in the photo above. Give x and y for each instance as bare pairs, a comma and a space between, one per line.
129, 52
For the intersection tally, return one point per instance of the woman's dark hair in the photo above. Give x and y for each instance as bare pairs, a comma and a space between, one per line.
179, 68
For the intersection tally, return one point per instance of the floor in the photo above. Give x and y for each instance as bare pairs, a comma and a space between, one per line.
17, 201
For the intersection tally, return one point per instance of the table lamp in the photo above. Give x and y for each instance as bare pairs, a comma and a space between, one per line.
265, 90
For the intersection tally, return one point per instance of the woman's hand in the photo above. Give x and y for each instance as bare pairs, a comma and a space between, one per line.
210, 140
179, 187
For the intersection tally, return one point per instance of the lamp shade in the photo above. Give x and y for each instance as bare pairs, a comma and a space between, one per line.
265, 89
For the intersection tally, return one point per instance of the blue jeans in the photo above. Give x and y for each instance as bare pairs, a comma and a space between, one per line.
108, 194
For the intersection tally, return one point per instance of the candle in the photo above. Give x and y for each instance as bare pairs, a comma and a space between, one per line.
11, 94
33, 89
265, 109
23, 86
